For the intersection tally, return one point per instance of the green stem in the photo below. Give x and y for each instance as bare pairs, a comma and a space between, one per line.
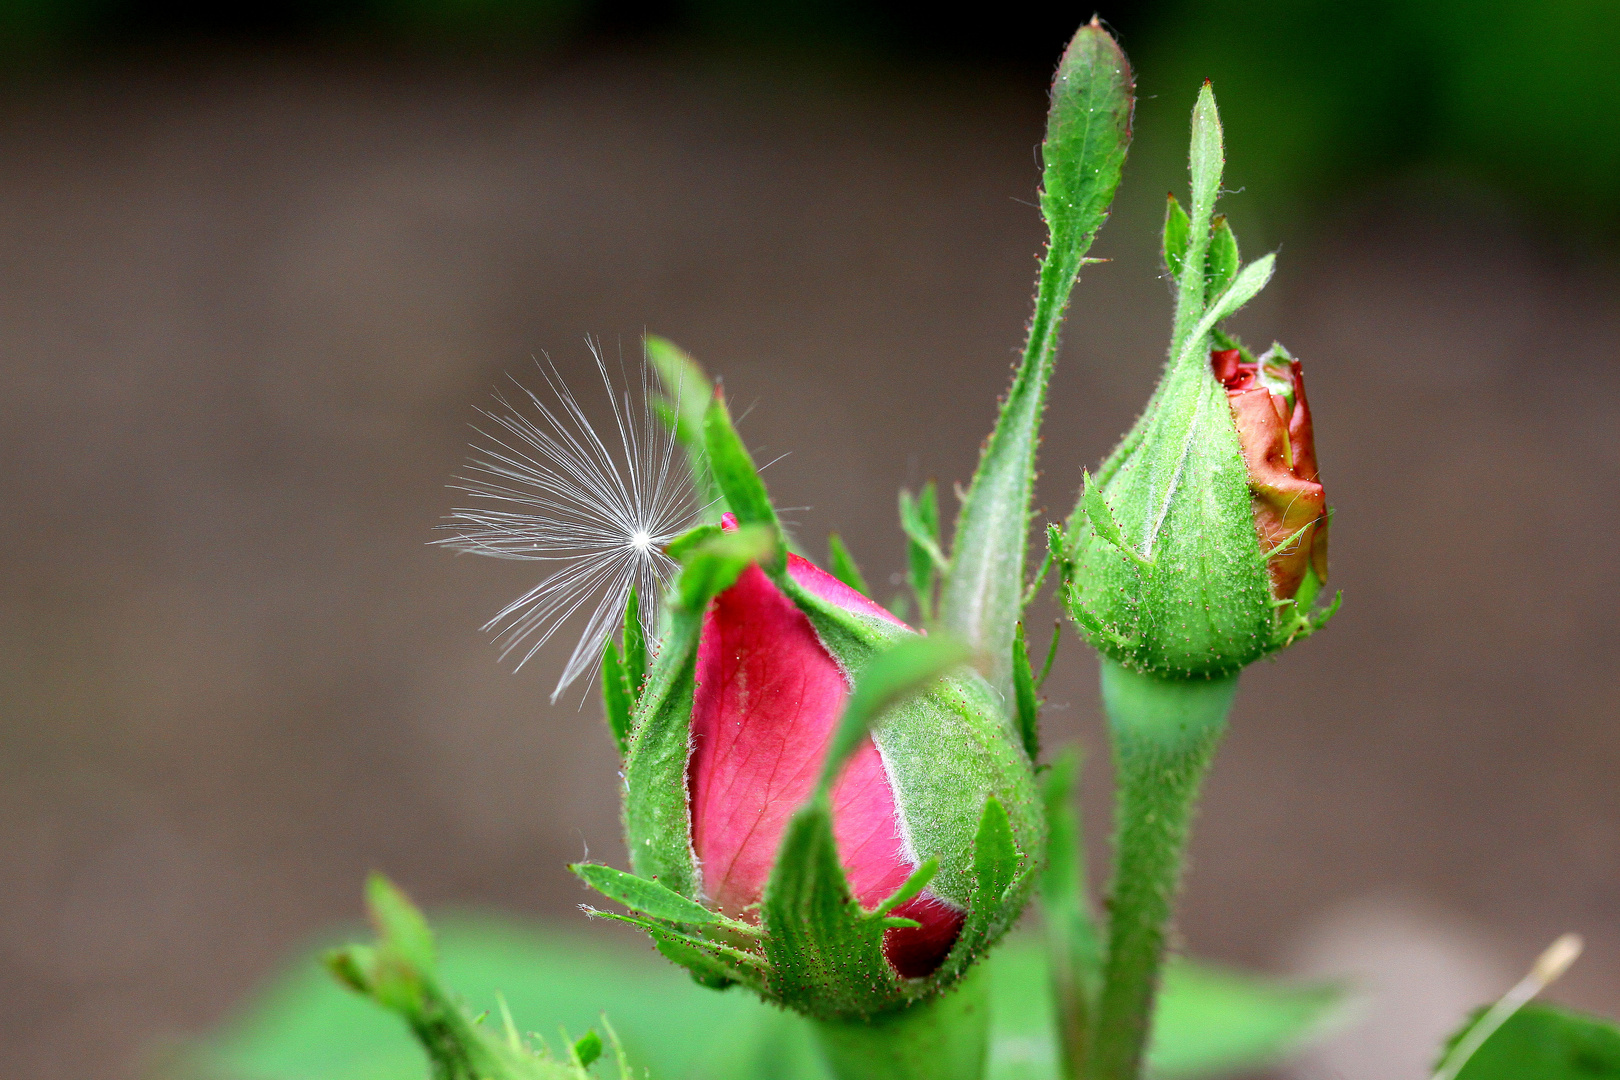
944, 1038
1164, 735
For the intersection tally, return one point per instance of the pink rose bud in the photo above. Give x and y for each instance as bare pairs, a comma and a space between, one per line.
768, 698
1274, 427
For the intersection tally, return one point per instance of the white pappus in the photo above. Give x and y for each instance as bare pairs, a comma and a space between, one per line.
546, 487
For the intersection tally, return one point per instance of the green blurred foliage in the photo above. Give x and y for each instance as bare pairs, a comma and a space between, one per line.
560, 983
1320, 96
1545, 1042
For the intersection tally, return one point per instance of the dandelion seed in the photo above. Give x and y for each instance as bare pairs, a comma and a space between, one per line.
548, 488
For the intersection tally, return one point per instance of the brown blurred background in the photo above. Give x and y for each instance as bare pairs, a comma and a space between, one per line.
260, 270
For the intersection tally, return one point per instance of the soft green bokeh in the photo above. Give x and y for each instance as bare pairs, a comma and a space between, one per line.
305, 1027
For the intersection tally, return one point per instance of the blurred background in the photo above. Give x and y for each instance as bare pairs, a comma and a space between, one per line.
262, 261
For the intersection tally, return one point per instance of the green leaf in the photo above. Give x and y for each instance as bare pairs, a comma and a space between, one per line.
844, 567
919, 519
649, 897
1221, 264
1088, 131
687, 392
734, 471
890, 678
1176, 230
587, 1048
399, 924
1028, 711
1545, 1042
616, 703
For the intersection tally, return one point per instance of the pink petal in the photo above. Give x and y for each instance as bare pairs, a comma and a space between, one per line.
768, 698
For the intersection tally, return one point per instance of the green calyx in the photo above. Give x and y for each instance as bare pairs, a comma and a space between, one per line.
1163, 570
963, 784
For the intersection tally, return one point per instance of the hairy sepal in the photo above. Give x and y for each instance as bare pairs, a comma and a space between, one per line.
657, 812
947, 749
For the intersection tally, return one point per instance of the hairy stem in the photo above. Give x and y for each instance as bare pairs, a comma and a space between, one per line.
1164, 735
944, 1038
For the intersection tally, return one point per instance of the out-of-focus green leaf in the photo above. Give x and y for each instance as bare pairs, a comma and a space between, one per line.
919, 519
1544, 1042
1210, 1022
304, 1026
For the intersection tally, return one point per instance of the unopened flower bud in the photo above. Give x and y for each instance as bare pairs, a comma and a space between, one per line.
842, 871
768, 698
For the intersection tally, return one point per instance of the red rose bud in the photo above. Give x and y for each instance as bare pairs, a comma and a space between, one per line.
769, 696
820, 803
1274, 428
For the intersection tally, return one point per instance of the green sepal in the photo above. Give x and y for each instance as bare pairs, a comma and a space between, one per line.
657, 817
1002, 874
678, 547
711, 567
919, 520
893, 676
1028, 712
634, 656
946, 749
1222, 262
826, 956
825, 950
844, 567
1087, 133
616, 701
1100, 516
399, 923
1177, 226
651, 898
748, 961
736, 475
705, 968
687, 391
911, 888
